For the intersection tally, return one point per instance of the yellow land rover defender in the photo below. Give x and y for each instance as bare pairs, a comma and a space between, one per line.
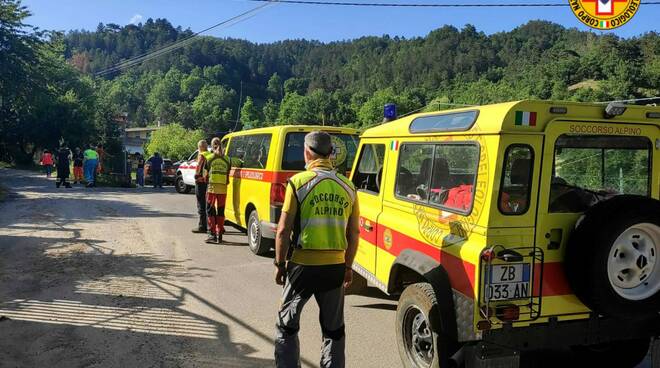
514, 227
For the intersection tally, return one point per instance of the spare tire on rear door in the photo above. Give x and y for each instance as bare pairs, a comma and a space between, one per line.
612, 259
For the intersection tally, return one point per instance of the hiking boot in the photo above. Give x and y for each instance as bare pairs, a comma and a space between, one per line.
218, 239
211, 239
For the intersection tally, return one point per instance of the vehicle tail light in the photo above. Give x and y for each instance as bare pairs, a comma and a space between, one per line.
507, 312
484, 325
488, 254
277, 192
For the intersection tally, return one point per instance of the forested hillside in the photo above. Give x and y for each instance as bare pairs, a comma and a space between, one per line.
348, 82
51, 88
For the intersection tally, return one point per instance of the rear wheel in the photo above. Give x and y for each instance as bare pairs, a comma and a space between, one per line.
257, 243
181, 186
419, 331
621, 354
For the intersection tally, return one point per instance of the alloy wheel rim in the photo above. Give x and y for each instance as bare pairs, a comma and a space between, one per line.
632, 266
418, 337
254, 233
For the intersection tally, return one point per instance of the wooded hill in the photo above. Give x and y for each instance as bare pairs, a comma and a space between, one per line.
50, 90
348, 82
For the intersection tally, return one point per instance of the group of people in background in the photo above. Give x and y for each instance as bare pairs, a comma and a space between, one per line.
86, 164
211, 179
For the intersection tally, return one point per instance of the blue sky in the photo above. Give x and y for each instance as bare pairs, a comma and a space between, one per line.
325, 23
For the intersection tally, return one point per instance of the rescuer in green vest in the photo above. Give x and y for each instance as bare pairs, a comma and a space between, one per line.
321, 208
218, 167
203, 156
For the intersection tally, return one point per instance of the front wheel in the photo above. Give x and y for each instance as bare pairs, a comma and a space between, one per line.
181, 186
257, 243
419, 331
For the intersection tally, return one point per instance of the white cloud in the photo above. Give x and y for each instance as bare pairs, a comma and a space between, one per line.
137, 18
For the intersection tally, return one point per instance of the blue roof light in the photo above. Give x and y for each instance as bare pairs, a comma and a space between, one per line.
389, 112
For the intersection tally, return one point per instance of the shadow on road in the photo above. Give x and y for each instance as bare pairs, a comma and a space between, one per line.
72, 301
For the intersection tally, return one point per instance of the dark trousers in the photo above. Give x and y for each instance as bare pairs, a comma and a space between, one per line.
200, 193
325, 283
157, 177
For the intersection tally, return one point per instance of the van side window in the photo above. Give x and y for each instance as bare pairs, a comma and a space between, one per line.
256, 151
369, 173
237, 147
515, 187
441, 174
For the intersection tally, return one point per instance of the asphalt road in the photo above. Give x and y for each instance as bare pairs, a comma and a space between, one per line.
114, 278
108, 277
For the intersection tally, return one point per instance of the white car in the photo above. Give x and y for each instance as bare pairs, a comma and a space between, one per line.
185, 174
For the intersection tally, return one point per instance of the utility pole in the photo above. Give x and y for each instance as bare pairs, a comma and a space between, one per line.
240, 100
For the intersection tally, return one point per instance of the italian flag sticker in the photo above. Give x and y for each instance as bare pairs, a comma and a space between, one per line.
394, 146
604, 24
525, 118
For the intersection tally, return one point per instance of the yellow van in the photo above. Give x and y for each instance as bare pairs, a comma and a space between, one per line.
270, 157
514, 227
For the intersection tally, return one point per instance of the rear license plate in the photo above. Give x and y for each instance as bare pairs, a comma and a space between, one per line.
508, 281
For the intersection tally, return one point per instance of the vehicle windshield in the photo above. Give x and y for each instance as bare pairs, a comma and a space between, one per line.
588, 169
345, 149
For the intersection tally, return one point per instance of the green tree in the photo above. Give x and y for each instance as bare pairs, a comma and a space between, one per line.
212, 108
297, 109
173, 141
270, 112
249, 114
274, 88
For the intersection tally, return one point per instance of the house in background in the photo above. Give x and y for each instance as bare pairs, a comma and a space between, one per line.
136, 138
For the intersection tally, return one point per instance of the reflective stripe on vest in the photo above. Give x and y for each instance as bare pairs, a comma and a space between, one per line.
207, 156
219, 170
325, 203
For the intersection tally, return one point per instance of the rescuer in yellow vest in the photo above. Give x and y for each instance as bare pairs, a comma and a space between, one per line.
321, 208
203, 156
217, 166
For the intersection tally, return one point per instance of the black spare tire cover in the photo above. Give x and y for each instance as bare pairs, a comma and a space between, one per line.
611, 259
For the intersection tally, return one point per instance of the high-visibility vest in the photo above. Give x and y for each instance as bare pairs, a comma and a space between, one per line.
207, 156
90, 154
325, 203
219, 167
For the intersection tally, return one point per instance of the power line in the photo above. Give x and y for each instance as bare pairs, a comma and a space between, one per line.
181, 43
413, 5
428, 5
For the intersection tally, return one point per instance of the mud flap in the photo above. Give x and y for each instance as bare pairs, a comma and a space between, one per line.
483, 355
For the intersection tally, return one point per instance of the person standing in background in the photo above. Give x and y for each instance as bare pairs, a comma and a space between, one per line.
63, 166
203, 156
91, 161
217, 167
47, 162
78, 159
156, 170
139, 174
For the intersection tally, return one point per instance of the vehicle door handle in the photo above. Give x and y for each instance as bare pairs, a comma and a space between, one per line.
368, 227
554, 238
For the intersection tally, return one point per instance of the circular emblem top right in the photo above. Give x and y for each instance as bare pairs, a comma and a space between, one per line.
604, 14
